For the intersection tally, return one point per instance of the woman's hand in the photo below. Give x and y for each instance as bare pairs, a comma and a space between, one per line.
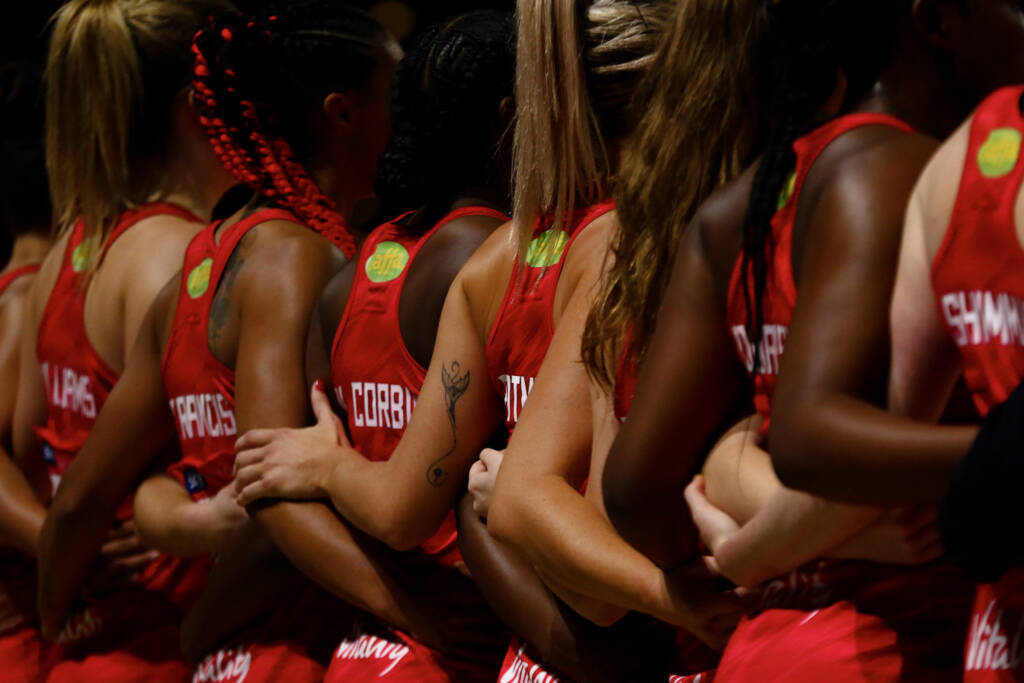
900, 536
701, 605
122, 559
481, 479
290, 463
714, 525
220, 516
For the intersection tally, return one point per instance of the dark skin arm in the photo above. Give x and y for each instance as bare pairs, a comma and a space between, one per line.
564, 639
691, 370
831, 435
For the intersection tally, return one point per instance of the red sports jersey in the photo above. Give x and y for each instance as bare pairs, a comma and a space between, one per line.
199, 388
523, 328
838, 621
375, 377
107, 637
7, 278
377, 381
977, 279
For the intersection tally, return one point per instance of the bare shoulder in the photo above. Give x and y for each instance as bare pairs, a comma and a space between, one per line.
716, 231
150, 253
485, 276
937, 189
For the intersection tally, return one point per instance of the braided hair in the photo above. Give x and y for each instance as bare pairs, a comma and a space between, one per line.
809, 43
258, 79
445, 111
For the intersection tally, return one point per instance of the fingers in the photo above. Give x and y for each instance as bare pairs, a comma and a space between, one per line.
492, 458
122, 546
323, 411
253, 492
256, 438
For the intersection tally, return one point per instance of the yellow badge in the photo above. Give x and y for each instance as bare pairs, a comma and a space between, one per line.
387, 262
788, 188
199, 279
546, 248
81, 257
999, 154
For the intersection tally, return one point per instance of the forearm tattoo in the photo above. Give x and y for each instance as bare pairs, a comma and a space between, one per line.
454, 385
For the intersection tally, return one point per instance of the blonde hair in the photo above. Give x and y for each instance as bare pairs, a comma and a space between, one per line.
113, 71
698, 118
576, 69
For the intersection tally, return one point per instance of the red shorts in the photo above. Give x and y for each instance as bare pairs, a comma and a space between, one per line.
24, 655
520, 667
256, 662
151, 656
852, 622
395, 656
995, 641
705, 677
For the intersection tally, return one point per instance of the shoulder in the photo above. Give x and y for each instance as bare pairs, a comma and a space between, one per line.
43, 282
716, 230
150, 252
452, 246
937, 189
485, 276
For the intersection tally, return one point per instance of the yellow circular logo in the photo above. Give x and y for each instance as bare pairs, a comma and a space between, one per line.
387, 262
546, 248
788, 188
199, 279
81, 257
999, 154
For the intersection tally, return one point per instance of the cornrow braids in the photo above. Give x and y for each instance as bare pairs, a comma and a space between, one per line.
445, 111
809, 42
257, 80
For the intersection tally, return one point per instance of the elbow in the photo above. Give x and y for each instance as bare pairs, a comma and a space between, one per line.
601, 613
401, 532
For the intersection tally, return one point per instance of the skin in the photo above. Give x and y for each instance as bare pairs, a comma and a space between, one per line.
258, 326
844, 267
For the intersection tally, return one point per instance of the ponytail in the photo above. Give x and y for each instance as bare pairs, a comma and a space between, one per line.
256, 82
568, 109
697, 119
113, 72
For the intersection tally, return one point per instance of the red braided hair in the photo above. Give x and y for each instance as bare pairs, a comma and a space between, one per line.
257, 157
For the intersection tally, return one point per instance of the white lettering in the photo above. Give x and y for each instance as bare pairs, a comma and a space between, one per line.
372, 647
388, 406
200, 415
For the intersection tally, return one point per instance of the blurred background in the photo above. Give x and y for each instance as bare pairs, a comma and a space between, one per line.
23, 36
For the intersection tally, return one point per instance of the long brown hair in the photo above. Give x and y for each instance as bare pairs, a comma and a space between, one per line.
113, 72
570, 109
697, 119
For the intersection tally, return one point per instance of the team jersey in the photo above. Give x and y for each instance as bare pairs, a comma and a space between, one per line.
103, 636
840, 621
524, 325
976, 275
377, 381
375, 378
200, 389
516, 346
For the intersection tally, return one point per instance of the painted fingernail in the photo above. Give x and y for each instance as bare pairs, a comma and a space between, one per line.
318, 385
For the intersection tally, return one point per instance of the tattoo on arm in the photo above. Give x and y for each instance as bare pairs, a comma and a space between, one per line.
455, 386
220, 307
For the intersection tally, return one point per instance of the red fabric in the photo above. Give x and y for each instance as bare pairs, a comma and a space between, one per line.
521, 665
979, 290
394, 656
838, 621
375, 377
117, 628
293, 643
199, 388
780, 291
7, 278
77, 380
523, 328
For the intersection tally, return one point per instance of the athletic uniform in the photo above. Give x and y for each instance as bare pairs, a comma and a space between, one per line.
135, 630
837, 621
22, 649
287, 644
979, 290
377, 381
516, 346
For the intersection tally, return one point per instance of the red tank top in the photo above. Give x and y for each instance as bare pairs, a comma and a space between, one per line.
200, 389
375, 377
77, 380
7, 279
524, 326
977, 270
978, 278
779, 298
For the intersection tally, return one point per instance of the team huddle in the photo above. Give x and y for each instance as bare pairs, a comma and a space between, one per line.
688, 348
